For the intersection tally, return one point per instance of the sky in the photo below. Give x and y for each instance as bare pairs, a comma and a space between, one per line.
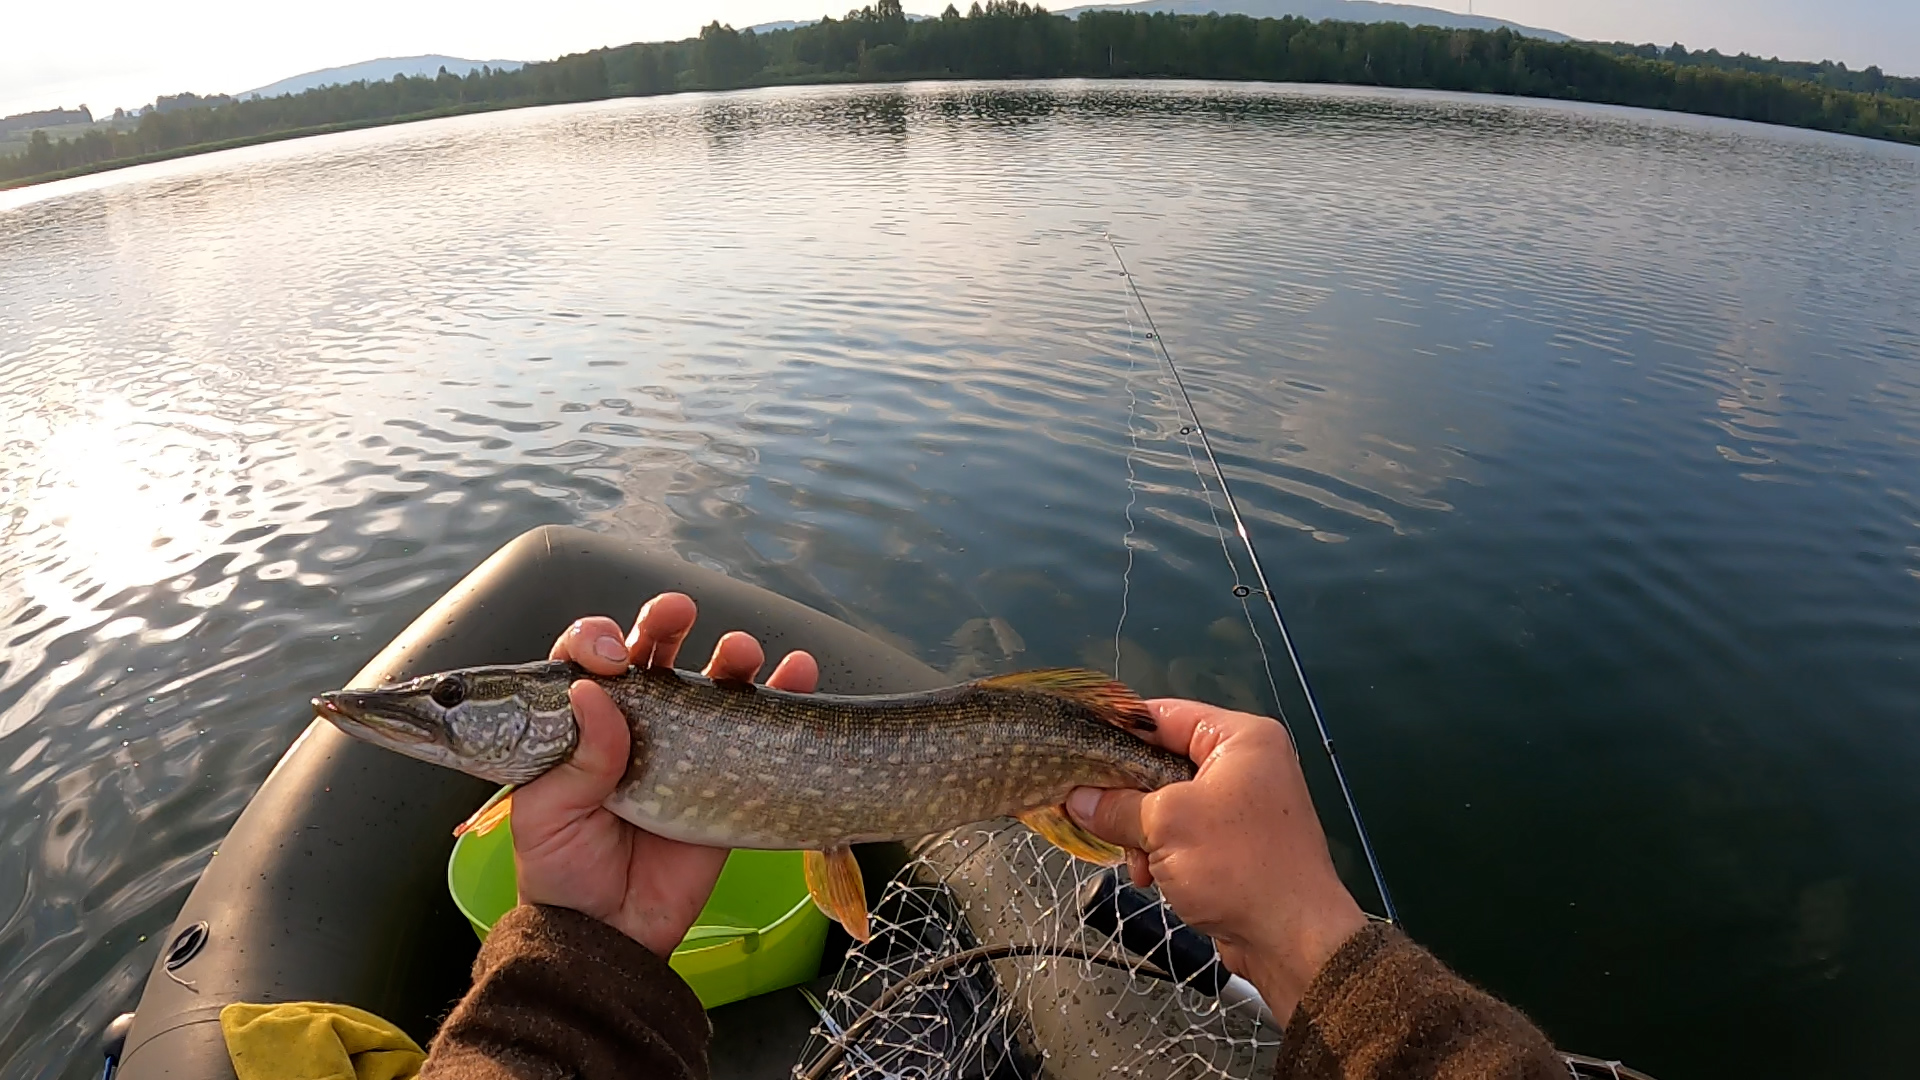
124, 52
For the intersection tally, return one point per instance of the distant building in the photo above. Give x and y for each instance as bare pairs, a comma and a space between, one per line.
27, 121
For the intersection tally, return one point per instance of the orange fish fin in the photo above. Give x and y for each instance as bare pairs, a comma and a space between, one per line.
489, 816
833, 879
1056, 828
1111, 701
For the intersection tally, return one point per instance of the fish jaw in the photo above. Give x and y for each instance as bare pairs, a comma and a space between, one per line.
382, 718
504, 724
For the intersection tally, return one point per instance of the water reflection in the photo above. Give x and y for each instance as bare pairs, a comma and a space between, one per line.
1578, 439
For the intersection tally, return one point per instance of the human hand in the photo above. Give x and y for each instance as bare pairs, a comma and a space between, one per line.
1238, 851
572, 852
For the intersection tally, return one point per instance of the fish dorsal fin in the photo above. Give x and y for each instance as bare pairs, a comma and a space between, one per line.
1111, 701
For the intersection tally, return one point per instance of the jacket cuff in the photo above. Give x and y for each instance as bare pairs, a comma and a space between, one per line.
1335, 982
607, 964
1384, 1007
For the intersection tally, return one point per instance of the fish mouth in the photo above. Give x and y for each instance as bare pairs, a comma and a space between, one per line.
359, 713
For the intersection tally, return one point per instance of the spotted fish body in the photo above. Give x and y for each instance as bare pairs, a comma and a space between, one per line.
746, 766
732, 764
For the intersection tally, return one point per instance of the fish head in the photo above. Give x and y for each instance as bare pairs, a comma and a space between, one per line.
505, 724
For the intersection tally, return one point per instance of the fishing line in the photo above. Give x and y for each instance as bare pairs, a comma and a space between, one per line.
1133, 497
1241, 590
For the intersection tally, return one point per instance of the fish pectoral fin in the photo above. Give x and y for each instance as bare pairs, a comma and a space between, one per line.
489, 816
1056, 828
833, 879
1113, 702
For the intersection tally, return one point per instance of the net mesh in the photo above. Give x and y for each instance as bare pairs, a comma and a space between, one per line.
981, 967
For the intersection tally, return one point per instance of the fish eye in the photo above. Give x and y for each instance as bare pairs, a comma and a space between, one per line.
449, 691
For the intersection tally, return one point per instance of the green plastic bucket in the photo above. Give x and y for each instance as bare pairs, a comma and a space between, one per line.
759, 931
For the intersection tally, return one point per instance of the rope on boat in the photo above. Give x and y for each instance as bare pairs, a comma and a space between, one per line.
1242, 591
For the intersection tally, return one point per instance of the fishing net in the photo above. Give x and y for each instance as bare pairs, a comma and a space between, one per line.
995, 956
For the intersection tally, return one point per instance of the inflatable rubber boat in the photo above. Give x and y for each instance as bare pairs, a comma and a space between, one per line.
333, 884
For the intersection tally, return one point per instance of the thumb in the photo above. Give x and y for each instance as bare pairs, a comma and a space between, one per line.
1112, 814
583, 781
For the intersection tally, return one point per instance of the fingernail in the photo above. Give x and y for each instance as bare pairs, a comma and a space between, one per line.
610, 648
1082, 803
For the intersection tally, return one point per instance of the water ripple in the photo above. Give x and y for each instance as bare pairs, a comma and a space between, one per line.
1579, 440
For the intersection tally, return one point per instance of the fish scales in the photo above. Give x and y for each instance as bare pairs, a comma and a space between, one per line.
741, 765
747, 766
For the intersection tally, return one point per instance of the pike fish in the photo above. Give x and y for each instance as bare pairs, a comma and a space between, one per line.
735, 764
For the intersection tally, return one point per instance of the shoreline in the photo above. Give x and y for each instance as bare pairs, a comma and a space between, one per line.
810, 79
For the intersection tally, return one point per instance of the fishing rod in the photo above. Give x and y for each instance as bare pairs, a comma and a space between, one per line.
1266, 592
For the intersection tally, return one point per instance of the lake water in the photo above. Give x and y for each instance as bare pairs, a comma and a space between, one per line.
1582, 445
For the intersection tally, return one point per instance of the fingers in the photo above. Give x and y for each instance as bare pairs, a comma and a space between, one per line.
1138, 868
657, 634
583, 781
1174, 720
1112, 815
1194, 728
594, 643
736, 657
798, 672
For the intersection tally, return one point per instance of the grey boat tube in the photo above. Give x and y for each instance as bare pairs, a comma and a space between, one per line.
331, 885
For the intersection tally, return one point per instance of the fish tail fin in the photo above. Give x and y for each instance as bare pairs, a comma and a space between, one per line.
1056, 828
489, 816
1110, 700
833, 880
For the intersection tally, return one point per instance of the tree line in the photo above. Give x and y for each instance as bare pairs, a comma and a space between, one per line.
1827, 73
1013, 39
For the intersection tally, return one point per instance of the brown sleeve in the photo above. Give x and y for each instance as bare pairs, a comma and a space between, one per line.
559, 994
1384, 1009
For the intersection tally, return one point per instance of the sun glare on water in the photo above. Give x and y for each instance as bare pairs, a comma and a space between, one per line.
102, 503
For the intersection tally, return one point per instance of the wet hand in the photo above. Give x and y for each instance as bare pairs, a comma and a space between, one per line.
572, 852
1238, 851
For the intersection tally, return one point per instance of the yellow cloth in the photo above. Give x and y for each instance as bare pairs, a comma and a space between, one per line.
307, 1040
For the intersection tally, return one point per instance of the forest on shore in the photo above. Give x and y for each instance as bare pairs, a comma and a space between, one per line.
1008, 39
